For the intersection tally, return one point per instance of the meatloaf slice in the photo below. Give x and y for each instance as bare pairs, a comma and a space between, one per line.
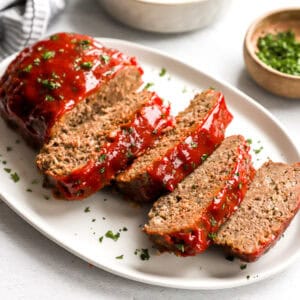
62, 81
198, 131
185, 221
80, 162
269, 206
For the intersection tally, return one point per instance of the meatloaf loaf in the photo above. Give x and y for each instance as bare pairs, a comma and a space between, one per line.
269, 206
198, 131
80, 162
63, 81
185, 221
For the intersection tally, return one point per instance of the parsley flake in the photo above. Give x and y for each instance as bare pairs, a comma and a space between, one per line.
109, 234
162, 72
87, 209
48, 54
148, 85
15, 177
120, 256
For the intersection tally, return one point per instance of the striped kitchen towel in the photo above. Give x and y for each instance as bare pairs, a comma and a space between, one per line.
22, 22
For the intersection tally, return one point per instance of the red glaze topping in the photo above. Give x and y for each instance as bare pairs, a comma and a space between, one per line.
49, 78
225, 202
194, 149
130, 141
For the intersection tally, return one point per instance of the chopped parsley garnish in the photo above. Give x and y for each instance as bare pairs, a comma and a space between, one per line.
105, 58
15, 177
102, 158
28, 68
102, 170
48, 54
87, 209
211, 88
249, 141
100, 239
162, 72
248, 276
7, 170
54, 37
93, 220
50, 84
148, 85
237, 174
180, 247
8, 148
212, 235
49, 98
46, 197
109, 234
230, 257
204, 157
4, 162
143, 253
120, 256
213, 221
87, 65
85, 44
243, 266
129, 154
240, 185
256, 151
29, 190
125, 229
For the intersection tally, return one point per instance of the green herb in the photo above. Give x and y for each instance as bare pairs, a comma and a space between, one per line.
243, 267
211, 88
280, 51
54, 37
87, 65
102, 158
204, 157
148, 85
120, 256
212, 235
48, 54
46, 197
109, 234
84, 44
105, 58
129, 154
8, 148
102, 170
143, 253
249, 141
94, 220
240, 185
49, 98
213, 221
50, 84
248, 276
125, 229
4, 162
28, 68
230, 257
256, 151
87, 209
193, 145
29, 190
15, 177
162, 72
7, 170
237, 174
103, 218
180, 247
100, 239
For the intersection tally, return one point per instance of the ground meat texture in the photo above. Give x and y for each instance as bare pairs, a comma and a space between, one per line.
85, 158
185, 221
199, 129
62, 81
269, 206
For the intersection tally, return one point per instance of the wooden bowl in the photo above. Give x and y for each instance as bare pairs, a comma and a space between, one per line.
270, 79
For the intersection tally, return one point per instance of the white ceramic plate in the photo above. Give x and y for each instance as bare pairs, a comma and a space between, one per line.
67, 223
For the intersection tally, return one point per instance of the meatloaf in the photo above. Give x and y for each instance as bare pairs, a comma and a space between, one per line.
80, 162
198, 131
269, 206
185, 221
63, 81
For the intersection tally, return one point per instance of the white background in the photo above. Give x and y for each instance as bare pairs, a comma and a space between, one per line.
32, 267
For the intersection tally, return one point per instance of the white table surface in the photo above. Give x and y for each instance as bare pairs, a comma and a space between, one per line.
32, 267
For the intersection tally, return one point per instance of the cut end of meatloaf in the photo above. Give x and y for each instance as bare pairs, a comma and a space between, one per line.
270, 204
137, 182
125, 82
198, 203
75, 146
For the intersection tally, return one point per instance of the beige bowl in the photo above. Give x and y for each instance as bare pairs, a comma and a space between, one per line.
272, 80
